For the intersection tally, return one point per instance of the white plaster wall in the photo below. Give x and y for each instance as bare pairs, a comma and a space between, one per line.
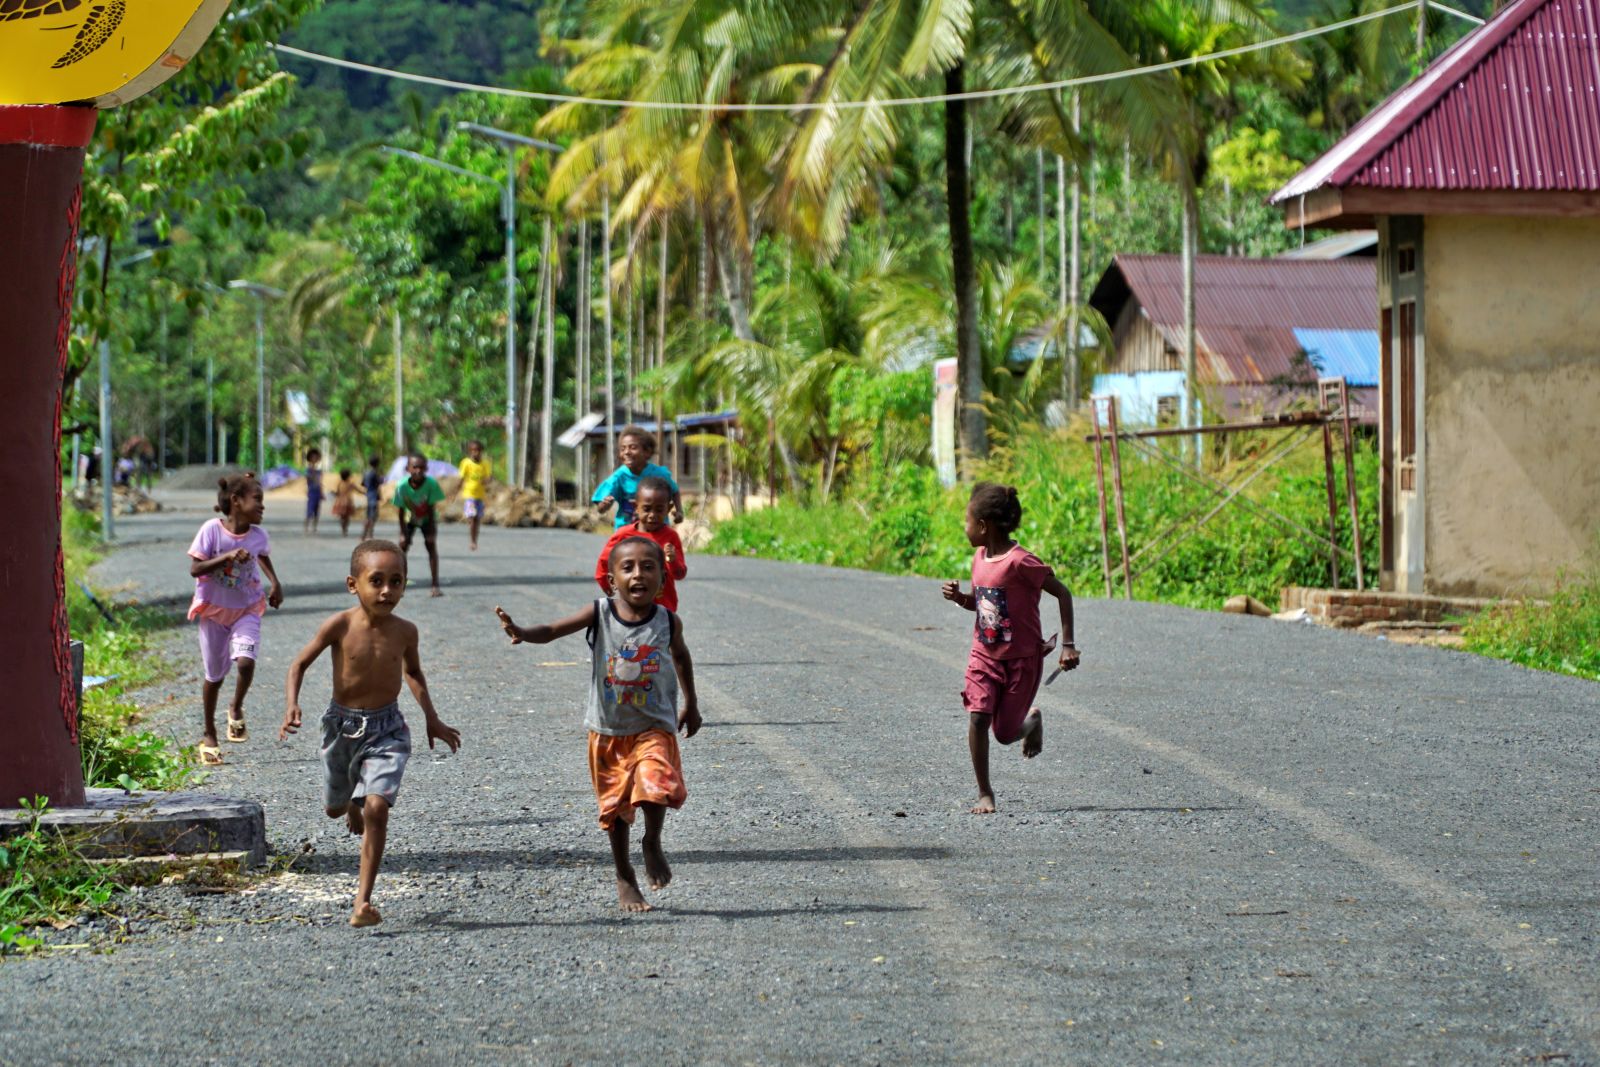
1512, 395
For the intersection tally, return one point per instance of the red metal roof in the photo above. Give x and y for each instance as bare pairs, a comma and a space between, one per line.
1514, 105
1246, 310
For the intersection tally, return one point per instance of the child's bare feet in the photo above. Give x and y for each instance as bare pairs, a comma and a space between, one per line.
357, 822
437, 592
1032, 734
628, 894
656, 871
365, 915
984, 806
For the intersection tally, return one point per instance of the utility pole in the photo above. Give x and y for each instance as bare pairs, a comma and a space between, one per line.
1075, 272
107, 452
547, 483
211, 417
399, 389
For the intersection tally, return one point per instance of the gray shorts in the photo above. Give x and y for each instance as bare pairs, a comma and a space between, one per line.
364, 754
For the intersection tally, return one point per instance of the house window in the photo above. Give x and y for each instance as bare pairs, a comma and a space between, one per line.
1406, 259
1408, 392
1166, 411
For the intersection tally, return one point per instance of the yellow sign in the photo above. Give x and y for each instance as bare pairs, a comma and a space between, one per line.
102, 52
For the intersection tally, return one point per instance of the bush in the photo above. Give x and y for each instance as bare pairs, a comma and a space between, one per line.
1561, 634
903, 522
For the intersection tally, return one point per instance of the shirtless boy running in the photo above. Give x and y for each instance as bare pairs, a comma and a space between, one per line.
365, 739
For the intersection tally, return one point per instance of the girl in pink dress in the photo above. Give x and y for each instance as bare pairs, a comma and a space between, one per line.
227, 558
1008, 646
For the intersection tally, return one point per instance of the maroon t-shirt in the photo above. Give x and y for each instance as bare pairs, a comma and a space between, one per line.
1006, 591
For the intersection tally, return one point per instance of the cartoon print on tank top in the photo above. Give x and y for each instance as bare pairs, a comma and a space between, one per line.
994, 621
233, 574
628, 673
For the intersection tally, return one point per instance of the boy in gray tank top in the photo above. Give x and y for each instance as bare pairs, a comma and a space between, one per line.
639, 663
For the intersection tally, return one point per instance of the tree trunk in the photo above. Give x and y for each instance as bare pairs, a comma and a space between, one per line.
580, 382
605, 304
1191, 242
969, 361
661, 348
1044, 263
1074, 269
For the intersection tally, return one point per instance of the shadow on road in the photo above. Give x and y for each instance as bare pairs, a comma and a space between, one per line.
661, 911
511, 858
1147, 810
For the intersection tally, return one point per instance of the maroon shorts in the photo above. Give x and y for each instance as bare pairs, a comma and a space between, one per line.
1004, 688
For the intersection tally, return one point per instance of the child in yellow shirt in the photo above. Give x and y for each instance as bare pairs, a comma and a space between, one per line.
475, 474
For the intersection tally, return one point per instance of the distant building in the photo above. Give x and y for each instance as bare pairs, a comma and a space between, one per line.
1266, 329
1482, 178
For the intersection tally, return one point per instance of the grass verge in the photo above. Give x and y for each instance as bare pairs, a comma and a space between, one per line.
1560, 633
117, 647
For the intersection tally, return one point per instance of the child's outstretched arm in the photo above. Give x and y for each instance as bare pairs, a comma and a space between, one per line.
605, 494
677, 505
437, 730
275, 597
952, 592
199, 568
544, 634
689, 716
1063, 595
326, 634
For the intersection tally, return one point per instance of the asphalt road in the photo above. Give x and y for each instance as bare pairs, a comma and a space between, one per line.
1245, 842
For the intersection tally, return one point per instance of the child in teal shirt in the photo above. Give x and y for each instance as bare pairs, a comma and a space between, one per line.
635, 446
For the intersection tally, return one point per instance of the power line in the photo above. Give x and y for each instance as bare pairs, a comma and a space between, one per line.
1475, 20
842, 105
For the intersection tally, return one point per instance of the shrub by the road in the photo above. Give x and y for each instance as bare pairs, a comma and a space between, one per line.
902, 521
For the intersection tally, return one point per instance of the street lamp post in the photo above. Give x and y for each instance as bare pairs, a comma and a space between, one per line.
510, 142
507, 209
262, 293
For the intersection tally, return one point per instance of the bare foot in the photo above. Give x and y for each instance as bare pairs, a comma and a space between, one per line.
1032, 734
628, 894
437, 592
365, 915
984, 806
357, 823
656, 871
474, 546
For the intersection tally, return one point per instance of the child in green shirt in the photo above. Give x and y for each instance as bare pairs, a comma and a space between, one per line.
418, 499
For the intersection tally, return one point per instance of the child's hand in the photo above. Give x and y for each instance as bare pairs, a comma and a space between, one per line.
677, 514
240, 555
666, 550
951, 591
275, 598
604, 504
512, 630
291, 722
438, 731
1069, 657
689, 720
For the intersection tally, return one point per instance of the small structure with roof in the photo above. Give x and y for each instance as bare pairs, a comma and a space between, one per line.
1266, 329
1482, 179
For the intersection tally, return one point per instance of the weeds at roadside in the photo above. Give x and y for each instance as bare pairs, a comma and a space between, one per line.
45, 878
1560, 633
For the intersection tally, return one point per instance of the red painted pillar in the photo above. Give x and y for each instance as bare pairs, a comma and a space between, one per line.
41, 164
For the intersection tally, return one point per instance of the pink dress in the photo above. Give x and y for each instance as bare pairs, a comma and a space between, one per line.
1007, 657
228, 602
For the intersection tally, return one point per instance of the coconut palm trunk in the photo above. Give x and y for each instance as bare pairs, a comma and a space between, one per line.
1191, 243
969, 366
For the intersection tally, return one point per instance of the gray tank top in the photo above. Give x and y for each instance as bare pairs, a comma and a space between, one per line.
635, 686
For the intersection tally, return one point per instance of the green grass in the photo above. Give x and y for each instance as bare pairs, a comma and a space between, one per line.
903, 522
45, 878
115, 753
1561, 633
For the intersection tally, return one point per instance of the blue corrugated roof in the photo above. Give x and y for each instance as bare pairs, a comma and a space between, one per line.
1351, 354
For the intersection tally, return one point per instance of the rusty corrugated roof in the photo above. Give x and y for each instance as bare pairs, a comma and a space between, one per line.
1513, 106
1246, 310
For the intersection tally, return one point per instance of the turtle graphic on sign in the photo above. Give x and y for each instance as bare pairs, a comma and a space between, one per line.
95, 23
104, 52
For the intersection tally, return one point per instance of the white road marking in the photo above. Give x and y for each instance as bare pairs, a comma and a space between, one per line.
1566, 983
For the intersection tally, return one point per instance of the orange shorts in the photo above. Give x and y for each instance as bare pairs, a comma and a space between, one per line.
634, 769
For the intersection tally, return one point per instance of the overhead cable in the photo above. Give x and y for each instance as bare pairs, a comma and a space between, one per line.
845, 105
